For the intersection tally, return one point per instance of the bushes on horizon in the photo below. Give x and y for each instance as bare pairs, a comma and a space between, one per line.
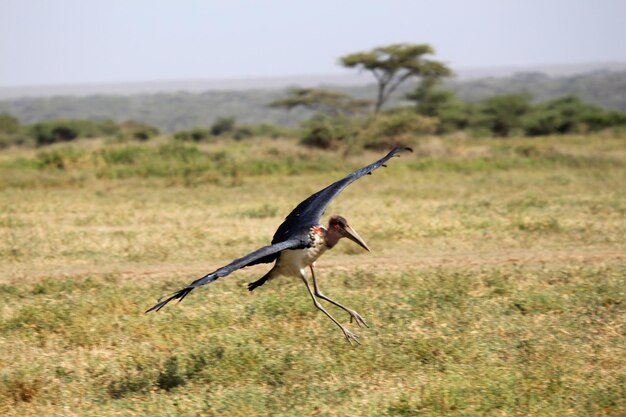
227, 126
135, 130
9, 124
431, 101
55, 131
196, 134
11, 132
570, 115
512, 114
395, 127
503, 115
242, 132
203, 134
222, 126
436, 112
453, 114
380, 131
326, 132
49, 132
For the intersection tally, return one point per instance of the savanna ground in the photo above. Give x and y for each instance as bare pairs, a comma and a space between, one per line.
496, 283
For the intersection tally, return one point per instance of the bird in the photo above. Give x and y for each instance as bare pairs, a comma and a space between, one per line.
297, 243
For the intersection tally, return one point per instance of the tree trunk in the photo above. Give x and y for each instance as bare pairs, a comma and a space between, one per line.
380, 100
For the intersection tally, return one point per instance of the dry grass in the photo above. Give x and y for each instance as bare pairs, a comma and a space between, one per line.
495, 287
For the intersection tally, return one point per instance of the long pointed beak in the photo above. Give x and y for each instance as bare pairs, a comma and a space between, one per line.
351, 234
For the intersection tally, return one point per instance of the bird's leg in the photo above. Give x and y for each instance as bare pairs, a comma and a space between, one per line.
351, 337
353, 314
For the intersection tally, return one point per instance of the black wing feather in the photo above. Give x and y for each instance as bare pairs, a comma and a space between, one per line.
309, 212
231, 267
291, 234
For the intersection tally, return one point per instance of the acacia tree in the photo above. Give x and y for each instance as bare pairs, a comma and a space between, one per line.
332, 103
394, 64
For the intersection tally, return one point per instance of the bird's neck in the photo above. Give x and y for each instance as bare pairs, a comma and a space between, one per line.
331, 237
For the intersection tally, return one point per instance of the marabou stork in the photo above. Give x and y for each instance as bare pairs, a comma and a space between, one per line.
297, 244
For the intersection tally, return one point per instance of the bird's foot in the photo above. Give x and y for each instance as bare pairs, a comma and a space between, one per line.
360, 321
351, 337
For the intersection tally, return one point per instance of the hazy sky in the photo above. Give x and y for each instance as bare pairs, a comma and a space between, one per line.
85, 41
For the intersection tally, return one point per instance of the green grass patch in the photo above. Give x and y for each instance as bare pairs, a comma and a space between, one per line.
496, 293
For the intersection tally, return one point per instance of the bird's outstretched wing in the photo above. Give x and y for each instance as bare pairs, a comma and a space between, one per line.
231, 267
310, 211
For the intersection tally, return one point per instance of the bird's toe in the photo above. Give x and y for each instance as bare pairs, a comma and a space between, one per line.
360, 321
351, 337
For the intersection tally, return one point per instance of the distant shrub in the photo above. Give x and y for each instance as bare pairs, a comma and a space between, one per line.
201, 134
242, 132
222, 126
9, 124
227, 126
11, 131
504, 115
325, 132
394, 128
132, 129
513, 114
55, 131
570, 115
14, 139
46, 133
197, 134
96, 128
452, 114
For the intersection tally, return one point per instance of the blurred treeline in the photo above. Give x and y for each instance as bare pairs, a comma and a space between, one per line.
529, 104
175, 111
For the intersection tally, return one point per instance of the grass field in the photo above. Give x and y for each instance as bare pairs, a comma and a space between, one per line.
496, 283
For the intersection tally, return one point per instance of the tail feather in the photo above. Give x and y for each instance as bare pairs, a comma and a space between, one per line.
253, 285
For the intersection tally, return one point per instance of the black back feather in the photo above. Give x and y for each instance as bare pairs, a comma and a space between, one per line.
309, 212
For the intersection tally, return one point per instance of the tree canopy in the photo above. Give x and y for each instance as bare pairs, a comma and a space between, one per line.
332, 103
394, 64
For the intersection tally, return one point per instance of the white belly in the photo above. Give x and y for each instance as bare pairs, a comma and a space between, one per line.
291, 262
295, 262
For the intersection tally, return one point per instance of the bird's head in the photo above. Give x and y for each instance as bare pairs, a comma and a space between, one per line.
337, 228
